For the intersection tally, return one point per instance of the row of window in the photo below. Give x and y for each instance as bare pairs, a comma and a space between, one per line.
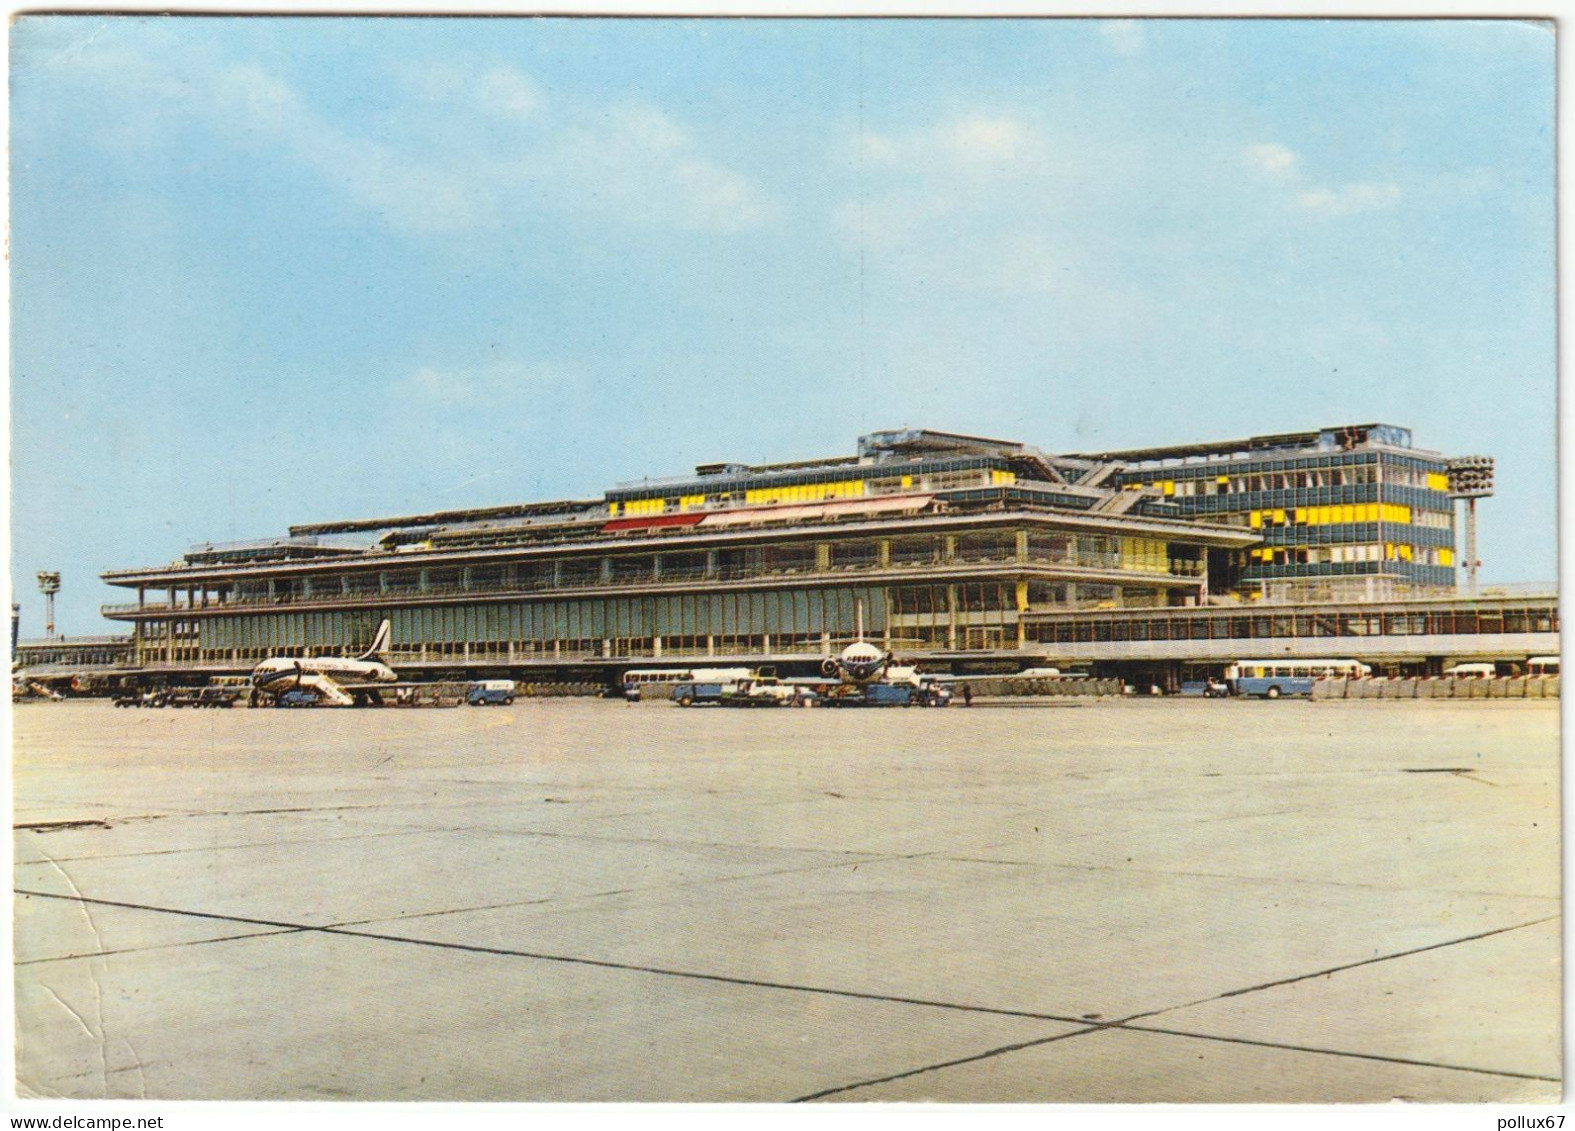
791, 614
1086, 551
1264, 626
824, 490
1359, 552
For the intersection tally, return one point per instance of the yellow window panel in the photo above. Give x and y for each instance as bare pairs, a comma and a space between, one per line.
1222, 479
1255, 519
1446, 557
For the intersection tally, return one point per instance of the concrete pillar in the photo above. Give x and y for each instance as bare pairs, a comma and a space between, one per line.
822, 556
884, 553
656, 647
710, 563
557, 574
1022, 545
949, 548
951, 603
423, 580
710, 645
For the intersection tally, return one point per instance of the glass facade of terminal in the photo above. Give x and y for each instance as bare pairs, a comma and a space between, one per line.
1340, 514
962, 589
933, 542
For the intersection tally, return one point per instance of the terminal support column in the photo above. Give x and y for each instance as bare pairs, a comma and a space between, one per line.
1022, 600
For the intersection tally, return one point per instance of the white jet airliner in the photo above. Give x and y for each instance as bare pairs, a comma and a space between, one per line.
336, 680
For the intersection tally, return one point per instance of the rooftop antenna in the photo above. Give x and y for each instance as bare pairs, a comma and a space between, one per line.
49, 585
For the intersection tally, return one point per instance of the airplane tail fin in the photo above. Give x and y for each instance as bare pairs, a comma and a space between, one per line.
379, 642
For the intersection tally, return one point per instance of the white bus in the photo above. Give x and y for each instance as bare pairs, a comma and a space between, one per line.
1271, 679
639, 677
1472, 671
1542, 665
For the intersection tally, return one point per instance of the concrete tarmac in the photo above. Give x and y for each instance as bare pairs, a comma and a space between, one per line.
583, 900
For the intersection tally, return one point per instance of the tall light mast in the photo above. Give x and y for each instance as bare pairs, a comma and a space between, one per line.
1470, 478
49, 585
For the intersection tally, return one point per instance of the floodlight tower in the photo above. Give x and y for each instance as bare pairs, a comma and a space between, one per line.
49, 585
1471, 478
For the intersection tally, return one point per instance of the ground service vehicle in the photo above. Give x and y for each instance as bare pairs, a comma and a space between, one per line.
1272, 679
498, 692
1471, 671
874, 695
757, 692
1542, 665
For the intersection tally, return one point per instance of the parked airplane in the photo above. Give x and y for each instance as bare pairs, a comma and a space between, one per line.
335, 680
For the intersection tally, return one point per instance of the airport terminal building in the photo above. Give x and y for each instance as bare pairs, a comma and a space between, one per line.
931, 544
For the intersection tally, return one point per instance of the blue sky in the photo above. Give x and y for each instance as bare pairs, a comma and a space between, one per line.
271, 271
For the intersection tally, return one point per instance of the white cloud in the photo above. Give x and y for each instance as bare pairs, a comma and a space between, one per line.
1273, 160
1345, 200
463, 147
507, 93
965, 142
1280, 163
1124, 36
489, 383
984, 139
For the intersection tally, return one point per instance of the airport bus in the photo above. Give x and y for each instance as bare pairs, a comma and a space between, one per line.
639, 677
1270, 679
1542, 665
636, 680
1472, 671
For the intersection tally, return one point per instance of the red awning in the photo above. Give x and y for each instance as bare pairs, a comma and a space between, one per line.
656, 520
